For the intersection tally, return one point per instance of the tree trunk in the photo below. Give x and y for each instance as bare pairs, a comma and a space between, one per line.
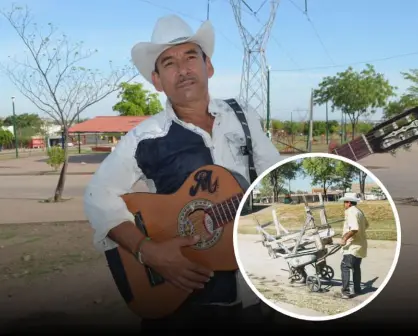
362, 182
61, 181
353, 128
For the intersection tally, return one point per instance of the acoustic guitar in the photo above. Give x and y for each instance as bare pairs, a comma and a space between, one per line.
387, 137
206, 204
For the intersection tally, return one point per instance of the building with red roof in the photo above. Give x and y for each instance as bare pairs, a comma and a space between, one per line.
107, 124
103, 131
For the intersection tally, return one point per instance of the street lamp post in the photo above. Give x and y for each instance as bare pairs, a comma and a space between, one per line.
268, 103
14, 126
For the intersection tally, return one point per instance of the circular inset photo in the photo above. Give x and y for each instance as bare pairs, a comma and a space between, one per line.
320, 238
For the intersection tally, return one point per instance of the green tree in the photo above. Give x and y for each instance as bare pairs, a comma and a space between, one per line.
136, 101
398, 106
25, 120
275, 181
364, 127
53, 76
377, 191
324, 172
412, 76
27, 125
6, 137
346, 173
354, 93
406, 101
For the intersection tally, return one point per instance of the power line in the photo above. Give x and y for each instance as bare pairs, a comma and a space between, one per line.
190, 17
254, 15
305, 13
348, 64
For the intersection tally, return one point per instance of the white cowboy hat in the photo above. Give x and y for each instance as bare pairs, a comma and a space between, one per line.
348, 199
168, 31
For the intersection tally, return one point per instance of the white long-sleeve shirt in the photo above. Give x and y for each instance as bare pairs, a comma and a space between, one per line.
162, 151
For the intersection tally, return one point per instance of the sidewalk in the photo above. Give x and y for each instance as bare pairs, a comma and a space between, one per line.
36, 165
32, 211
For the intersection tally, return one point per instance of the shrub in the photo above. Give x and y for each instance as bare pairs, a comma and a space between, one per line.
55, 157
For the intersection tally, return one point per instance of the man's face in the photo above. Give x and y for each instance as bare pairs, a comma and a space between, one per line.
183, 73
347, 204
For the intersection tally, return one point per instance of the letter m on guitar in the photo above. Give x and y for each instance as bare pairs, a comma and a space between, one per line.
204, 182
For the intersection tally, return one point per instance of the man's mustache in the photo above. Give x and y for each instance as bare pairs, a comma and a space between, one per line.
185, 78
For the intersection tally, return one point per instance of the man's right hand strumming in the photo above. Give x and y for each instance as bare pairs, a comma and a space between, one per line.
166, 259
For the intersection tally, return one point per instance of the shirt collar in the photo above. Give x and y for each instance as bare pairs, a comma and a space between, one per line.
214, 109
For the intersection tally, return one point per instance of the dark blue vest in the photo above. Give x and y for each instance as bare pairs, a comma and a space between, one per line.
168, 161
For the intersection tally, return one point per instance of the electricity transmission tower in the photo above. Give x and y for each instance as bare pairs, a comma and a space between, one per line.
253, 90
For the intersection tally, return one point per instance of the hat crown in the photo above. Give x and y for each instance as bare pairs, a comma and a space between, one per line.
169, 29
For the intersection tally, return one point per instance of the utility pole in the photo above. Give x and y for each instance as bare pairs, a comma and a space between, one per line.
268, 104
310, 139
14, 127
327, 123
208, 10
291, 125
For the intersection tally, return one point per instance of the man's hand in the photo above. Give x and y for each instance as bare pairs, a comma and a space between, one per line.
343, 242
166, 258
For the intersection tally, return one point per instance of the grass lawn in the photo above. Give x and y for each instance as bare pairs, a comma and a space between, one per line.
379, 214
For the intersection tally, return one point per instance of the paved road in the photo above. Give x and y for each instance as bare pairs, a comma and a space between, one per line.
398, 174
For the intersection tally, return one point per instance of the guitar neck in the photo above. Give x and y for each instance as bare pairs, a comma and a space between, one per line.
355, 150
224, 212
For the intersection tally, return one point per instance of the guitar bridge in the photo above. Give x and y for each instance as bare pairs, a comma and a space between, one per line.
154, 278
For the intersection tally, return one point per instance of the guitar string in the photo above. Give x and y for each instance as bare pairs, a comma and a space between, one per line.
219, 219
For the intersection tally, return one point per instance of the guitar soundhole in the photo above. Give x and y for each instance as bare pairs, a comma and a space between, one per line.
194, 220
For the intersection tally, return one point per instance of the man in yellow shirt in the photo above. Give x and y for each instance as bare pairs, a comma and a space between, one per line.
354, 246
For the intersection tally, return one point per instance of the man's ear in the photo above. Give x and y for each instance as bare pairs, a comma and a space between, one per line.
156, 81
209, 67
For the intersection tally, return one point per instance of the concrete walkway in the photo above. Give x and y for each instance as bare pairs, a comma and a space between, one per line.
36, 165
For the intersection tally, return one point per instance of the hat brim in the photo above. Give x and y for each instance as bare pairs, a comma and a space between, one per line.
348, 199
145, 54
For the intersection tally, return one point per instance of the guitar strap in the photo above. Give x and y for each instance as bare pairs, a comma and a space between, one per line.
248, 149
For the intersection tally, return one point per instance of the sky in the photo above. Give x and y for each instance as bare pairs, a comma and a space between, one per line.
300, 52
305, 183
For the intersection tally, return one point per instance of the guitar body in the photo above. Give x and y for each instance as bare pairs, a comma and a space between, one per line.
203, 205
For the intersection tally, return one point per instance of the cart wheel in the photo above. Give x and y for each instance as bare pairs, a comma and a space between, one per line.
313, 283
271, 252
327, 272
295, 275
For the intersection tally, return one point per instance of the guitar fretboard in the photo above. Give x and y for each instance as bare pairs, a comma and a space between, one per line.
224, 212
355, 150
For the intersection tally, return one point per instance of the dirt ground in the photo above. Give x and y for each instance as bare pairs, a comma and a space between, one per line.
270, 277
52, 272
